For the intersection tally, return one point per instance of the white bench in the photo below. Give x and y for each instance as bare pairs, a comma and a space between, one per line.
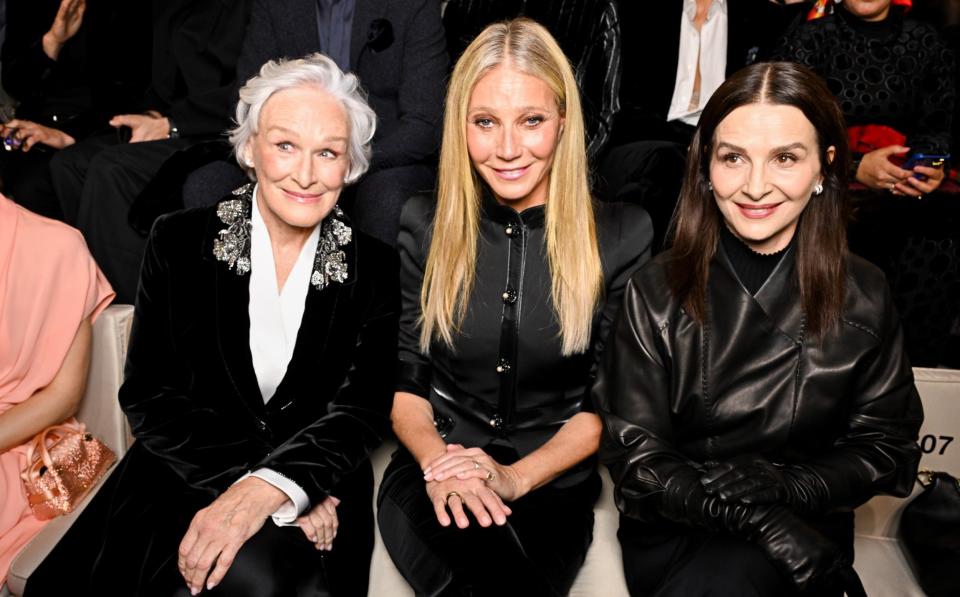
879, 560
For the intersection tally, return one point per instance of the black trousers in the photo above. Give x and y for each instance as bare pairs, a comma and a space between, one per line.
96, 182
125, 543
540, 549
674, 561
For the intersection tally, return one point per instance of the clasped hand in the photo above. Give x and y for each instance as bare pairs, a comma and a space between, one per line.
470, 477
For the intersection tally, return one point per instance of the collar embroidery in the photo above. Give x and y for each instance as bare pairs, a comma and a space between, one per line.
233, 243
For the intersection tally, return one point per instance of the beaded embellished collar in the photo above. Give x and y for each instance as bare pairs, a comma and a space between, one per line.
232, 245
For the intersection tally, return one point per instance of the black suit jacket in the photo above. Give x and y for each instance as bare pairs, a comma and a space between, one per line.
195, 48
91, 80
651, 50
405, 80
191, 393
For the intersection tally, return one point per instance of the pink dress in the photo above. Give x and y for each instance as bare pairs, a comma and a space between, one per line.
49, 284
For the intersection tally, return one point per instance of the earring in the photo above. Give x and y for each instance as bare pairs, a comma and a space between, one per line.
817, 190
709, 185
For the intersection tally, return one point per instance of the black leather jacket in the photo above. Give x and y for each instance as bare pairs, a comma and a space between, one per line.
505, 382
841, 415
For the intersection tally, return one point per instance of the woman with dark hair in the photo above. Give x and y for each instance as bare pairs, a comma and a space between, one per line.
755, 390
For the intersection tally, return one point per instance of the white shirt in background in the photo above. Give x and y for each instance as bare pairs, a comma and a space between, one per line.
709, 47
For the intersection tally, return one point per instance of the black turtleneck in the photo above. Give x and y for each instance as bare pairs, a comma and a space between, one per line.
752, 268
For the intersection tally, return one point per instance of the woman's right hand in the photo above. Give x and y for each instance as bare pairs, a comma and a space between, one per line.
453, 494
878, 172
65, 26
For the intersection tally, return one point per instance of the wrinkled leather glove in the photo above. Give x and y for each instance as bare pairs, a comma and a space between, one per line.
801, 553
750, 479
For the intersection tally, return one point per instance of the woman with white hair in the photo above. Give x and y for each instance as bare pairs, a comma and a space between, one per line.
255, 379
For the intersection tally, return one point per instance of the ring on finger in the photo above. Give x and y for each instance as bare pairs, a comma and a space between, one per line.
476, 465
489, 476
450, 495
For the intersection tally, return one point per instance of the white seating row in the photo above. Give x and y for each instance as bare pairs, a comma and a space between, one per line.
879, 560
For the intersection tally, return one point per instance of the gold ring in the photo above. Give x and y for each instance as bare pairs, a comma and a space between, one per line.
476, 465
450, 495
489, 476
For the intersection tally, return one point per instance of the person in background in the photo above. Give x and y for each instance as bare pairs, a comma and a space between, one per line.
397, 50
255, 382
70, 66
192, 90
682, 51
755, 388
510, 279
51, 292
894, 80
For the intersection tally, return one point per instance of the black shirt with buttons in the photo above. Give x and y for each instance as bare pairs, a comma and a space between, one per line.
505, 385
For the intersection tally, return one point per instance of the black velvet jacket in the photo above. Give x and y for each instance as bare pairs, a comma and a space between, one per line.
191, 393
673, 394
505, 381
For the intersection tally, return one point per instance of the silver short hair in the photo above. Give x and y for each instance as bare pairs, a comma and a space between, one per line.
314, 69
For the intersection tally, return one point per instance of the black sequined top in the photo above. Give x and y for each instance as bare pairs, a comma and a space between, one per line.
897, 72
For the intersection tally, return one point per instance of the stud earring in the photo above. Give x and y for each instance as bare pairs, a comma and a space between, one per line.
709, 185
817, 190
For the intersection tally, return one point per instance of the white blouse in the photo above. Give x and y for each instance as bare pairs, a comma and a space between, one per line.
704, 50
275, 317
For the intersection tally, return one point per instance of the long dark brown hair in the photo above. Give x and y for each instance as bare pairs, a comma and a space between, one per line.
821, 236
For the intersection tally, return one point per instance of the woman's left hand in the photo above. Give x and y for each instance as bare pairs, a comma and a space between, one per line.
320, 523
218, 531
474, 463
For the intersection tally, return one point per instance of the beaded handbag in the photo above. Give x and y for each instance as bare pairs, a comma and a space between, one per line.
64, 464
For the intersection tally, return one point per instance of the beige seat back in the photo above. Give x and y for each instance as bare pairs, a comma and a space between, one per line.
101, 413
939, 440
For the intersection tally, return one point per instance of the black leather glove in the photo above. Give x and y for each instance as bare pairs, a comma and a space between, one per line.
801, 553
750, 479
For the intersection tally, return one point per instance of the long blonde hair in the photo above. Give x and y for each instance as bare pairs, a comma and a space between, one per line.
571, 239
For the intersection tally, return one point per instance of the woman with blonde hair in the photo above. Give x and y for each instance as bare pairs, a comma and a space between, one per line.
510, 279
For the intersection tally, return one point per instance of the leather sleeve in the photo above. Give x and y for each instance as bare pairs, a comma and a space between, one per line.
877, 453
358, 418
413, 243
201, 445
631, 394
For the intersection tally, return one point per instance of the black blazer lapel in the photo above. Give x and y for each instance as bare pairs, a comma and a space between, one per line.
231, 303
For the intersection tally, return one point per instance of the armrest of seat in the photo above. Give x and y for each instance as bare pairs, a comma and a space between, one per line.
100, 410
101, 413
